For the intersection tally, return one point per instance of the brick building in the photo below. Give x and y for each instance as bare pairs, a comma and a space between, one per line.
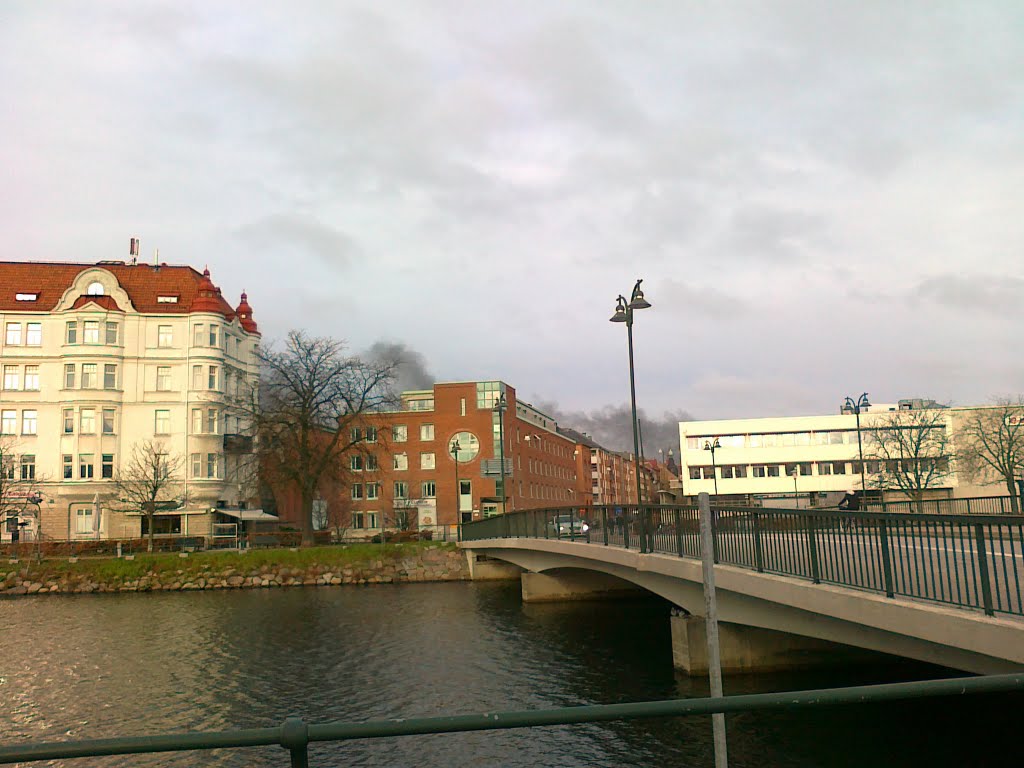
406, 473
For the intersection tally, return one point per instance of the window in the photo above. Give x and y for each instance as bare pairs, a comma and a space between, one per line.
28, 467
372, 490
355, 434
166, 299
400, 433
213, 377
824, 467
108, 421
213, 465
429, 489
371, 463
83, 520
34, 334
197, 377
357, 520
197, 335
162, 423
401, 461
95, 288
197, 465
29, 422
111, 333
71, 332
356, 463
69, 376
357, 491
164, 336
709, 473
213, 422
89, 373
14, 333
91, 332
87, 421
85, 470
726, 472
110, 376
8, 422
371, 434
69, 421
32, 377
426, 432
426, 461
197, 421
401, 489
760, 470
773, 470
107, 466
462, 406
214, 335
68, 466
26, 296
11, 377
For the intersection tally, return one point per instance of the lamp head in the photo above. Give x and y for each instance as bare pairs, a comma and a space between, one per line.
621, 311
637, 300
455, 449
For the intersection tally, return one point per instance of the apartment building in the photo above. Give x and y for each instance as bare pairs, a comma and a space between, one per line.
98, 358
436, 461
807, 457
609, 477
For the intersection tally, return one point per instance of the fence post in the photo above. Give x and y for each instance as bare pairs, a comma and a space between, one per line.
968, 506
1002, 505
883, 546
295, 738
758, 547
572, 524
604, 524
713, 516
982, 554
679, 532
813, 544
508, 530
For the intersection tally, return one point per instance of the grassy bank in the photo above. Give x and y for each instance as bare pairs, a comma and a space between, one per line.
197, 564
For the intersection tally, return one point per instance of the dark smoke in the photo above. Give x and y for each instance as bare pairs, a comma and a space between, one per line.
611, 426
412, 366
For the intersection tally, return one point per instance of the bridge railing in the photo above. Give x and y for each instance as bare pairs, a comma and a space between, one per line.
974, 561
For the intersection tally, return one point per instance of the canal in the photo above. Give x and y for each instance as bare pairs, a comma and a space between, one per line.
94, 666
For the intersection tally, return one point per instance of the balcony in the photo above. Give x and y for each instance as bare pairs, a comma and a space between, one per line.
236, 444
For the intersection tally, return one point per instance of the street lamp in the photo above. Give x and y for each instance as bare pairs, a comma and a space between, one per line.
713, 446
855, 406
796, 491
455, 448
624, 314
500, 405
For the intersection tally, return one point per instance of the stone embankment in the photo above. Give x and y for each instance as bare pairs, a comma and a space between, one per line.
422, 565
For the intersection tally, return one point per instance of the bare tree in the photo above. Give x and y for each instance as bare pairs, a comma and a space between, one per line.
308, 414
990, 445
19, 486
913, 449
150, 480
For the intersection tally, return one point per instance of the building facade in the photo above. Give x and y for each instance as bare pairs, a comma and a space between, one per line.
809, 458
436, 461
100, 358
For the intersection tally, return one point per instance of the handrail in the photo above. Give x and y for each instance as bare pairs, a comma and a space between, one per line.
972, 561
295, 735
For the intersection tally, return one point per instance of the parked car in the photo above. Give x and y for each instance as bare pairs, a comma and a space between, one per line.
566, 526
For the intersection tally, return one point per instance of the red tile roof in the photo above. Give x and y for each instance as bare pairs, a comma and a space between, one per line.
142, 282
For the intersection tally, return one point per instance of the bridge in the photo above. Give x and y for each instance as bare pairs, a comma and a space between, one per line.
795, 587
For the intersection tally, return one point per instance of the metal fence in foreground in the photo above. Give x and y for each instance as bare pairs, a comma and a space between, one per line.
295, 735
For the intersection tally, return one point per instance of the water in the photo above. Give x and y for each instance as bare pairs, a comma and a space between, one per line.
95, 666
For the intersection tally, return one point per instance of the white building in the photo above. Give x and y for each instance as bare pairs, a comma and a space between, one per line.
787, 456
97, 358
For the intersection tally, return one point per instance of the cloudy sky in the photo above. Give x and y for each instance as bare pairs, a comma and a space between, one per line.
822, 198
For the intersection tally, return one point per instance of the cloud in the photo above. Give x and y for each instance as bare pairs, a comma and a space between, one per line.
300, 235
996, 294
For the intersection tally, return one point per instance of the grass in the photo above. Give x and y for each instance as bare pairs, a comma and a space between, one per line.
113, 570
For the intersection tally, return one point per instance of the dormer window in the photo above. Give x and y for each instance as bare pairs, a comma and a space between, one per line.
166, 299
26, 296
95, 289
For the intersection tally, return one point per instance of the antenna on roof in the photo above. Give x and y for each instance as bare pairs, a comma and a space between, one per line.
133, 250
156, 258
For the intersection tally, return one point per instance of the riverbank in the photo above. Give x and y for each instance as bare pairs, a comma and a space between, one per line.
251, 569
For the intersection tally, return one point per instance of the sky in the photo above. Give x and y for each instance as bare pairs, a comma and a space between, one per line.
821, 198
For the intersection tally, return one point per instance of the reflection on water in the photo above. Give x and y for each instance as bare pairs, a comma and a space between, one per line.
95, 666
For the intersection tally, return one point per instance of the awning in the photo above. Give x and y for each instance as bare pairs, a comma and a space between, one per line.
249, 514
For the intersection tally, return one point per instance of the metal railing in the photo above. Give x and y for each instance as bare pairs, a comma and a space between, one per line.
972, 561
974, 505
295, 735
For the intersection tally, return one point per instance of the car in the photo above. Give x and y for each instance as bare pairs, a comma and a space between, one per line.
567, 526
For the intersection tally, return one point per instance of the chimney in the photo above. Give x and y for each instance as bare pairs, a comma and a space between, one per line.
133, 249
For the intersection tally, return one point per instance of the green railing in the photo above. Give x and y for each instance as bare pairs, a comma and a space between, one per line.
972, 561
295, 735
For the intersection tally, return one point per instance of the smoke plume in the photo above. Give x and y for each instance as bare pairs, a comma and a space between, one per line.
412, 366
611, 426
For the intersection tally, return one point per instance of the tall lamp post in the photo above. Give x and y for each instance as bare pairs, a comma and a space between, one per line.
455, 448
624, 314
796, 491
855, 406
713, 446
500, 405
